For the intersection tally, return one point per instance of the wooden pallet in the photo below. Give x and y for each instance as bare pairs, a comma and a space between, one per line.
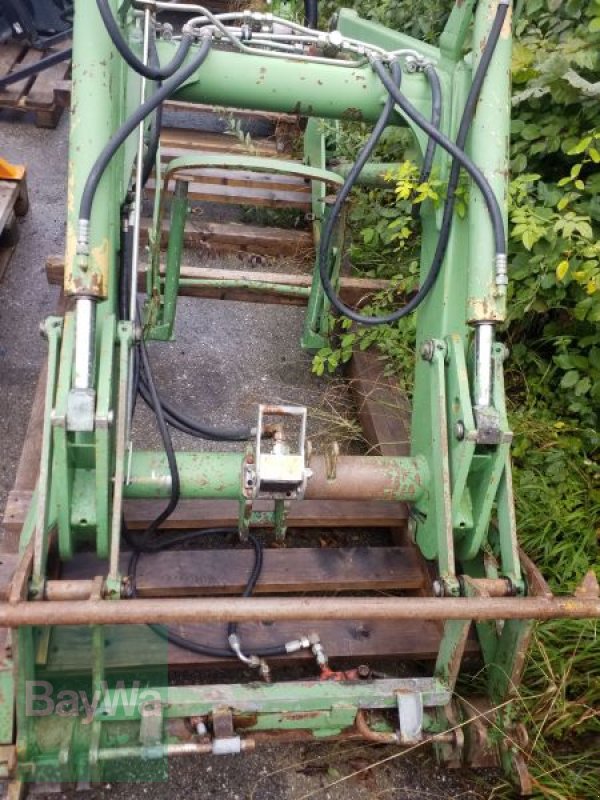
352, 290
240, 187
42, 95
13, 203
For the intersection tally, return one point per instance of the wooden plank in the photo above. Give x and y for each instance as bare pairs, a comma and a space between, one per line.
27, 470
9, 193
224, 513
352, 290
183, 573
302, 513
239, 196
188, 140
29, 462
8, 565
383, 409
41, 93
6, 253
15, 512
235, 237
246, 179
12, 94
10, 54
62, 93
356, 640
28, 466
225, 112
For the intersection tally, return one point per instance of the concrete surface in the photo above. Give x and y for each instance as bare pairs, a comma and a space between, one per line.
226, 358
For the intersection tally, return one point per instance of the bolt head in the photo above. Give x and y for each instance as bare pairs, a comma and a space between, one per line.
336, 39
438, 588
427, 350
459, 430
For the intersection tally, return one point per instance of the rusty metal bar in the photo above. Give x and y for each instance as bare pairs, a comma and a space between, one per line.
82, 589
66, 590
277, 609
166, 750
367, 478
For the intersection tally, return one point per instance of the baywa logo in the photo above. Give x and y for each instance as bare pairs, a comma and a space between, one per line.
42, 699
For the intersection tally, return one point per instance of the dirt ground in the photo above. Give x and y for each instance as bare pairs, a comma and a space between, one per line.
227, 357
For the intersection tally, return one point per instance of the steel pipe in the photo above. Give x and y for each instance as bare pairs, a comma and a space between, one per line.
66, 590
484, 343
279, 609
165, 750
82, 589
368, 478
333, 91
85, 328
219, 476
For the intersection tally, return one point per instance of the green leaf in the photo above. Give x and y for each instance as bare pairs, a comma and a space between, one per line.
529, 238
569, 379
368, 235
583, 386
562, 269
530, 133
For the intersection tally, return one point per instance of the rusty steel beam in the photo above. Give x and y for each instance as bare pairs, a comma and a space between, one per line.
366, 478
278, 609
84, 588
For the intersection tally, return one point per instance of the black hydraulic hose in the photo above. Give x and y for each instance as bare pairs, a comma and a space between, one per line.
436, 117
125, 271
332, 217
193, 427
155, 126
167, 443
147, 545
460, 159
130, 125
311, 13
173, 416
182, 641
147, 70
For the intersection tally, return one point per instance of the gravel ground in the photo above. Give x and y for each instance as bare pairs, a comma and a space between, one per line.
226, 358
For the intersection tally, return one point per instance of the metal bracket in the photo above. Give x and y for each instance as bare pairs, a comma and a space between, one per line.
410, 716
225, 741
151, 726
280, 475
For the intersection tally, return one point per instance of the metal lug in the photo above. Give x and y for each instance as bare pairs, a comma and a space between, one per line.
410, 715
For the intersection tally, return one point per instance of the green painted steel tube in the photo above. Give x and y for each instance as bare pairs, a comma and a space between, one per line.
94, 110
219, 476
352, 25
201, 475
371, 174
489, 148
241, 80
179, 207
